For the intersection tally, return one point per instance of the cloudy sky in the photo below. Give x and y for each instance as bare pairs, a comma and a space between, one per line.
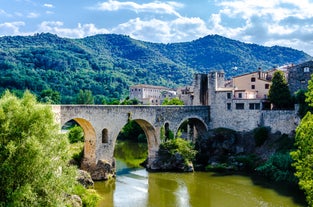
266, 22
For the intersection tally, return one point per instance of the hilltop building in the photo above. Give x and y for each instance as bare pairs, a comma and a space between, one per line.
299, 76
149, 94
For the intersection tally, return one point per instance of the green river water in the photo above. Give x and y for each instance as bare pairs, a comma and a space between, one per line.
135, 187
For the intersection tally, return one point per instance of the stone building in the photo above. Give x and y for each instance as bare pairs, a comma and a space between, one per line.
149, 94
239, 109
299, 75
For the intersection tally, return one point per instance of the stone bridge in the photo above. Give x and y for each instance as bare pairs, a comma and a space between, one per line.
103, 123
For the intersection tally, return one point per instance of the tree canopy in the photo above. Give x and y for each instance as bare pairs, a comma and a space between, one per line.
173, 101
303, 155
279, 93
33, 155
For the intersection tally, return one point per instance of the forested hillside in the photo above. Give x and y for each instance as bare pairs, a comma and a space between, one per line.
108, 64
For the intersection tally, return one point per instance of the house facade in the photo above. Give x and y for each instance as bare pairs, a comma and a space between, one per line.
253, 85
149, 94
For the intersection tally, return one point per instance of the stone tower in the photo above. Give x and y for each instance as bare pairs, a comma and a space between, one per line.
205, 86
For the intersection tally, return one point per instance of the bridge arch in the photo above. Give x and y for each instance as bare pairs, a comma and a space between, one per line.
89, 142
196, 127
152, 135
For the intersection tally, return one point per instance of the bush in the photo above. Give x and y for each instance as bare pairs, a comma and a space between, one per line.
261, 134
76, 134
278, 168
180, 146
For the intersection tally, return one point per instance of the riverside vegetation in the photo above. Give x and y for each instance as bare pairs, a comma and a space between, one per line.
34, 157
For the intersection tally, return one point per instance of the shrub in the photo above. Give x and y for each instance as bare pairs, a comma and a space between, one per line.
180, 146
261, 134
76, 134
278, 168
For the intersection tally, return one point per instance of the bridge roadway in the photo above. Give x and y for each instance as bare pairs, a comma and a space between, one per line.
103, 123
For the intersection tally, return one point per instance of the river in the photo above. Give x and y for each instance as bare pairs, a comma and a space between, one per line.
135, 187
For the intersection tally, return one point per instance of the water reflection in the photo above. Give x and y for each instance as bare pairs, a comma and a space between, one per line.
136, 187
142, 189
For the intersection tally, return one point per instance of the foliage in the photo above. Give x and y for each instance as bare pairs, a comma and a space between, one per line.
278, 168
128, 101
180, 146
50, 96
89, 197
85, 97
132, 131
309, 93
76, 134
173, 101
279, 93
300, 98
303, 156
261, 134
77, 152
33, 155
108, 64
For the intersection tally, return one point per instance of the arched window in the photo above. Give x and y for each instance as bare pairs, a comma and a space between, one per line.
105, 136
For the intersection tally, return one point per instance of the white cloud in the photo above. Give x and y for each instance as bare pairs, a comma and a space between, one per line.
11, 28
48, 5
80, 31
284, 22
4, 13
153, 7
155, 30
33, 15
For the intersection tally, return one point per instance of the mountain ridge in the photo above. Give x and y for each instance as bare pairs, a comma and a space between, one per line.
107, 64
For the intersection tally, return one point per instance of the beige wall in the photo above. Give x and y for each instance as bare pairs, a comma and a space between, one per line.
244, 83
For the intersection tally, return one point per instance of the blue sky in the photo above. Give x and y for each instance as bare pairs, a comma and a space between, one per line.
268, 22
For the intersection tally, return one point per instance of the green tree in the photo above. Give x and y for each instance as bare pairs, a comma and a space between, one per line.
173, 101
85, 97
33, 155
279, 93
50, 96
303, 156
76, 134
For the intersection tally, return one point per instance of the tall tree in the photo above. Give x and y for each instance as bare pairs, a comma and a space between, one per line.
303, 156
85, 97
279, 93
33, 155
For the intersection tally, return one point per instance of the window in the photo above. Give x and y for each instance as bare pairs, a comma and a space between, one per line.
253, 79
257, 106
239, 95
228, 95
240, 106
228, 106
267, 86
105, 136
252, 86
254, 106
306, 69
